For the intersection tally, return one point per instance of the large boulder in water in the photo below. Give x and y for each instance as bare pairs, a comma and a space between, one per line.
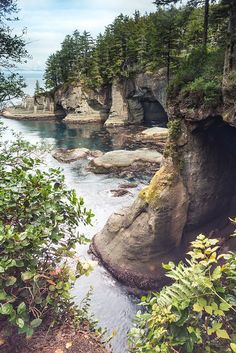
120, 160
72, 155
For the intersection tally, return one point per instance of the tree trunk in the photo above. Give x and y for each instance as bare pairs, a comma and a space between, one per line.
168, 62
206, 21
230, 52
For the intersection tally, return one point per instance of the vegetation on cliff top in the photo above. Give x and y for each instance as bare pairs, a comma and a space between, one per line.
195, 43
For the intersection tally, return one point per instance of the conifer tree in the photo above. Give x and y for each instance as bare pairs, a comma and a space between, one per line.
12, 51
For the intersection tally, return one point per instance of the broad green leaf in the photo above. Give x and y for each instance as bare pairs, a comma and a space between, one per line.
25, 276
21, 308
197, 307
202, 302
6, 309
11, 280
222, 334
216, 325
233, 347
20, 323
3, 295
208, 309
216, 273
36, 323
224, 306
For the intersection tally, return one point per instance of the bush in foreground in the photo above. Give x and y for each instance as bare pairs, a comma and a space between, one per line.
197, 312
39, 219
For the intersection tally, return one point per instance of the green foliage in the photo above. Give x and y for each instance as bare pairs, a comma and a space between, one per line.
198, 80
12, 51
39, 231
197, 312
38, 90
171, 38
202, 92
129, 45
10, 87
174, 127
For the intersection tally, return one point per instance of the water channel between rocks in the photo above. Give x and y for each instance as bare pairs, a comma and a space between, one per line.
111, 304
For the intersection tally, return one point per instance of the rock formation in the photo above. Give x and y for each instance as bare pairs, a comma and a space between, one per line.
35, 108
81, 105
121, 160
193, 192
142, 98
75, 154
124, 102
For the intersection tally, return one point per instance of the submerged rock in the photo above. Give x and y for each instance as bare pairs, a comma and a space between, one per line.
128, 186
119, 192
125, 160
72, 155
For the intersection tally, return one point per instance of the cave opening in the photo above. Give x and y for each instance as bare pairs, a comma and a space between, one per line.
211, 170
60, 111
153, 111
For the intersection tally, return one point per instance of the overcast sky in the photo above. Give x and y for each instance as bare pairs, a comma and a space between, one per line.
49, 21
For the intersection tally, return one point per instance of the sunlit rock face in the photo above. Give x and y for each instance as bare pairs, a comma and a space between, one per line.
193, 192
141, 99
83, 105
137, 100
40, 107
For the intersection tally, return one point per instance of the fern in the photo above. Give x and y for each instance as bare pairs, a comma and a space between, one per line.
191, 314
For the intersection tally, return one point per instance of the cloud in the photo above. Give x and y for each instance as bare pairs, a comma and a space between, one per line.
49, 21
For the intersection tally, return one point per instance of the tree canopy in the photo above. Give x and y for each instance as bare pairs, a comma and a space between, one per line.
12, 51
188, 41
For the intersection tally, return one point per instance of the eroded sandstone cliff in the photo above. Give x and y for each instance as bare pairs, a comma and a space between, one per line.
193, 192
124, 102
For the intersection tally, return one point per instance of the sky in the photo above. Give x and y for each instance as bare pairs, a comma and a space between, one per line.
49, 21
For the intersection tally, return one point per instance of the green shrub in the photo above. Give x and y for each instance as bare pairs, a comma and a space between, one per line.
39, 219
199, 78
203, 92
197, 312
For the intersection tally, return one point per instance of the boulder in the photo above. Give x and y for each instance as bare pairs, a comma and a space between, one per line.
123, 159
154, 134
134, 242
119, 192
72, 155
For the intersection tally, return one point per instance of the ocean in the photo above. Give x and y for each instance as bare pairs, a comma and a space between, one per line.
30, 78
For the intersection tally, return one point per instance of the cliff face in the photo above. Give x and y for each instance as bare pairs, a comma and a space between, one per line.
193, 192
82, 105
141, 99
126, 101
35, 108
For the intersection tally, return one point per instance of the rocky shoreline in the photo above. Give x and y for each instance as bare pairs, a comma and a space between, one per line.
122, 162
26, 116
123, 102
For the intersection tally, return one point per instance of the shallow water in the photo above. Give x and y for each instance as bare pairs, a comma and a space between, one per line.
112, 306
